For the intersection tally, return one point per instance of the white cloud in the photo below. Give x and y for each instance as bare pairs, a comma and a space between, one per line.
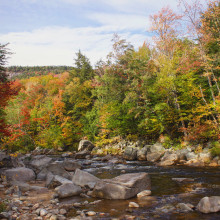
58, 45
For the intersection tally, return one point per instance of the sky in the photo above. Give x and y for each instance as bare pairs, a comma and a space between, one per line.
51, 32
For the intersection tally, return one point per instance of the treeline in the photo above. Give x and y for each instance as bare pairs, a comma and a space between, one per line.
23, 72
169, 90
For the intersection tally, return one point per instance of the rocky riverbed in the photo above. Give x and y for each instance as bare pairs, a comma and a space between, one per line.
44, 185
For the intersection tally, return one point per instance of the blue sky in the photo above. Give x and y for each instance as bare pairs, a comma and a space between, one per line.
50, 32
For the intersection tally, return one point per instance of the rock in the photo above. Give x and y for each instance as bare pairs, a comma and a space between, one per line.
91, 213
183, 180
130, 153
185, 207
53, 217
209, 204
71, 165
144, 193
182, 154
154, 157
205, 157
133, 205
124, 186
39, 162
63, 211
43, 212
195, 163
142, 153
67, 190
20, 174
157, 147
191, 156
82, 178
82, 154
5, 160
85, 145
56, 168
53, 181
168, 159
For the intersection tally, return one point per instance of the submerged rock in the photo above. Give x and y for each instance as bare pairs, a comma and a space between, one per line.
122, 187
209, 204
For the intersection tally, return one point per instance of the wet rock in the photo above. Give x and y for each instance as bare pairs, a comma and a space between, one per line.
195, 163
133, 205
67, 190
39, 162
144, 193
71, 165
53, 181
82, 154
209, 204
130, 153
85, 145
142, 153
20, 174
82, 178
185, 207
183, 180
168, 159
122, 187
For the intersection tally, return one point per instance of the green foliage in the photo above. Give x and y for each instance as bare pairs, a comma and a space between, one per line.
215, 150
3, 207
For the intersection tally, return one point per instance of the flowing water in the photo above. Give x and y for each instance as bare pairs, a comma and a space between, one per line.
166, 193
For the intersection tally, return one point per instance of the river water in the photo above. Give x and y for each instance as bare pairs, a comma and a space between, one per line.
166, 193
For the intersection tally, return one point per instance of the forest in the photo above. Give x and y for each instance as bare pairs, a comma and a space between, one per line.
167, 89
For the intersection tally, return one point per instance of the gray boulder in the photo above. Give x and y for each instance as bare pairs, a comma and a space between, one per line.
39, 162
168, 159
20, 174
67, 190
82, 178
142, 153
191, 156
71, 165
85, 145
5, 160
182, 154
52, 181
130, 153
82, 154
122, 187
205, 156
157, 147
209, 204
154, 157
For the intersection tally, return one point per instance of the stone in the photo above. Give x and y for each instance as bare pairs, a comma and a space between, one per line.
71, 165
191, 156
168, 159
43, 212
142, 153
20, 174
63, 211
91, 213
124, 186
67, 190
133, 205
209, 204
130, 153
39, 162
82, 154
85, 145
154, 157
144, 193
157, 147
82, 178
184, 207
53, 217
53, 181
205, 157
183, 180
5, 160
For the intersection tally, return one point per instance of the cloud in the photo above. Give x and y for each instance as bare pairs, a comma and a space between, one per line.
58, 45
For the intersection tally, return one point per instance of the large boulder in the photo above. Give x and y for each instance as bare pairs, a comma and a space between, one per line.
157, 147
71, 165
154, 157
20, 174
142, 153
191, 156
67, 190
39, 162
56, 168
209, 204
83, 179
53, 181
205, 156
130, 153
182, 153
85, 145
5, 160
122, 187
168, 159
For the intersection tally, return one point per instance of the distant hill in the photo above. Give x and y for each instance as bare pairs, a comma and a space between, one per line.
23, 72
